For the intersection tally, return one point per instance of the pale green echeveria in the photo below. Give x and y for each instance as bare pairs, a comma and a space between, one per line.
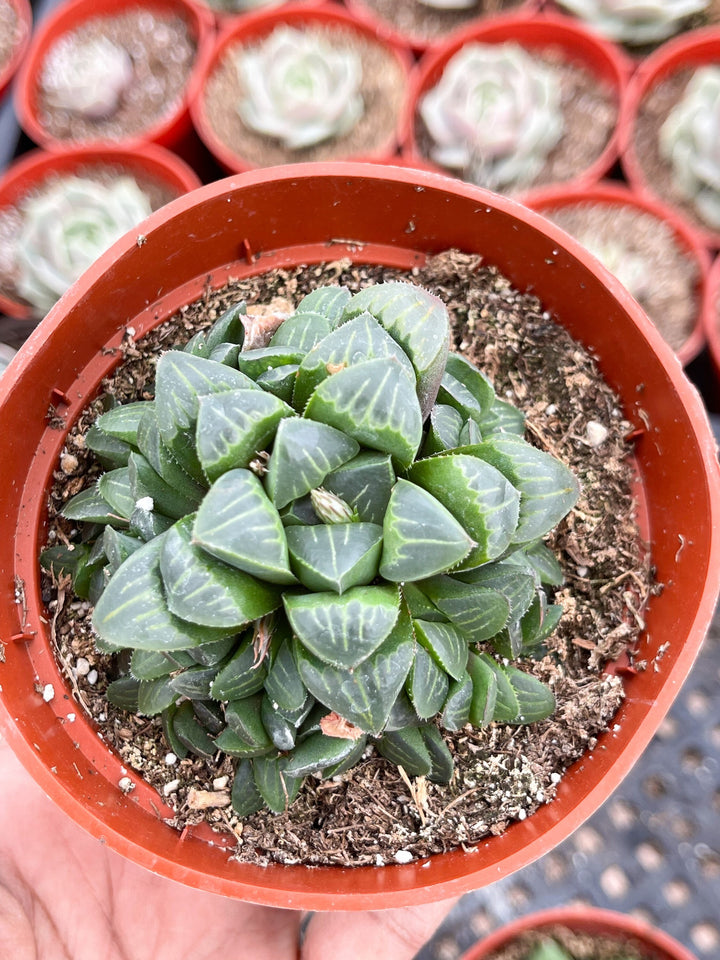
636, 22
66, 227
328, 543
630, 268
300, 87
494, 116
87, 77
690, 141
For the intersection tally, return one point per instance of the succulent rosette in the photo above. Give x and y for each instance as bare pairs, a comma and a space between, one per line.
636, 22
87, 77
65, 228
326, 544
690, 142
300, 87
494, 115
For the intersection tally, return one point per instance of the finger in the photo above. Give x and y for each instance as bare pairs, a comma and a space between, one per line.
374, 935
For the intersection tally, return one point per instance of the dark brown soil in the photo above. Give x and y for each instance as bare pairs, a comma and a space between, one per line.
590, 113
668, 277
420, 22
383, 91
579, 946
371, 815
656, 171
9, 34
162, 49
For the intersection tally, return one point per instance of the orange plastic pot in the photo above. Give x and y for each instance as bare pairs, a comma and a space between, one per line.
695, 49
246, 225
610, 194
416, 41
32, 170
711, 320
171, 130
23, 12
252, 28
585, 920
578, 46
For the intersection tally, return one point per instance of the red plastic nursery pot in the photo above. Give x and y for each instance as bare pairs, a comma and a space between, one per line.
688, 52
251, 29
585, 920
169, 130
711, 319
609, 194
416, 40
23, 29
287, 216
543, 32
35, 168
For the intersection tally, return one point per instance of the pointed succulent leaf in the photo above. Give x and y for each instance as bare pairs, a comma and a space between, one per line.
226, 353
445, 644
197, 345
360, 339
194, 682
115, 487
168, 725
124, 692
277, 788
470, 433
236, 746
403, 714
456, 710
304, 452
363, 696
241, 676
233, 426
191, 733
301, 331
147, 524
151, 664
280, 381
228, 328
535, 699
335, 557
365, 483
501, 419
419, 606
444, 430
109, 450
478, 496
154, 696
132, 611
548, 489
65, 560
442, 761
420, 536
418, 321
544, 564
163, 462
90, 506
427, 684
243, 717
147, 482
237, 523
122, 422
466, 388
318, 752
210, 715
516, 586
118, 546
212, 654
484, 689
282, 732
245, 796
373, 402
343, 630
330, 301
259, 360
406, 749
349, 761
506, 702
299, 513
478, 612
284, 685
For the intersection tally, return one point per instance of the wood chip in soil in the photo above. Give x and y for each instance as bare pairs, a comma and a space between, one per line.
590, 112
383, 90
371, 815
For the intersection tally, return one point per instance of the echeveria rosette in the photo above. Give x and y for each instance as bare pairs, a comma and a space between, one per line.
331, 541
690, 141
300, 87
65, 228
494, 116
636, 22
87, 77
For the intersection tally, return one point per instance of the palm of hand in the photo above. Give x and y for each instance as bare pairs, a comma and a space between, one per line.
65, 896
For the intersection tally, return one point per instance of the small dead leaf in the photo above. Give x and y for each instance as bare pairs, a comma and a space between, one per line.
333, 725
207, 799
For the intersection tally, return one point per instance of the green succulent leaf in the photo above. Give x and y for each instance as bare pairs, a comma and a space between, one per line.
110, 451
343, 630
456, 710
374, 403
301, 331
418, 321
282, 732
277, 788
330, 301
241, 676
466, 389
365, 695
407, 749
335, 557
194, 682
442, 761
317, 753
507, 706
427, 684
303, 454
420, 536
445, 644
253, 363
118, 546
244, 718
212, 654
235, 746
147, 482
245, 796
484, 689
154, 696
152, 664
403, 714
280, 381
229, 328
226, 353
444, 430
535, 700
89, 506
210, 716
146, 524
172, 739
115, 488
122, 422
284, 684
233, 426
191, 733
501, 419
514, 584
237, 523
544, 564
478, 496
478, 612
163, 462
124, 693
365, 483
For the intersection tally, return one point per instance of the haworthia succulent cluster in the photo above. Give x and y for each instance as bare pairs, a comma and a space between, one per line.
690, 142
300, 87
636, 22
494, 115
326, 543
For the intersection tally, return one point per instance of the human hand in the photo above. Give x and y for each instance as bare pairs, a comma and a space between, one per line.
65, 896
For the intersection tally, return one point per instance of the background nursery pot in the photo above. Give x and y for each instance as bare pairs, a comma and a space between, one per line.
19, 39
147, 162
243, 226
584, 920
711, 321
609, 196
171, 128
